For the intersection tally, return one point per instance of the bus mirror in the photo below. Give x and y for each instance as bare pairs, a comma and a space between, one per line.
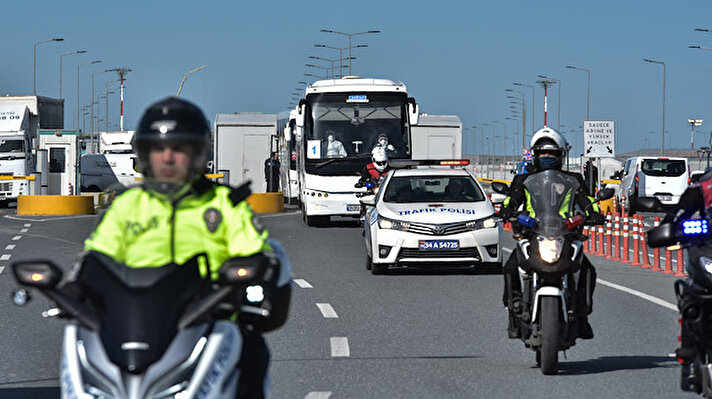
413, 111
301, 109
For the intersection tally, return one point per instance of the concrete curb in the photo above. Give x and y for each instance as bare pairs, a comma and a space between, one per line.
266, 202
55, 205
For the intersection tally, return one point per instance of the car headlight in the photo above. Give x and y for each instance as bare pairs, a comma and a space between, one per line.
706, 263
550, 248
482, 224
392, 224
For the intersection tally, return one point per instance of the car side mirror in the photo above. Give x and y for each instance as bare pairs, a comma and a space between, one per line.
369, 200
500, 188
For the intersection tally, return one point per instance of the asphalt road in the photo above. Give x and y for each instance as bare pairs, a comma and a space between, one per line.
410, 334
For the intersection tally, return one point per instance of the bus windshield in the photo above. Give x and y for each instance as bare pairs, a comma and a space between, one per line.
345, 125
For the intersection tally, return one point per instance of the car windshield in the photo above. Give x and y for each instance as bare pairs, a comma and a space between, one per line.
12, 146
409, 189
663, 167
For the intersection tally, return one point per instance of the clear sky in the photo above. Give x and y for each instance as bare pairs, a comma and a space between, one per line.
456, 57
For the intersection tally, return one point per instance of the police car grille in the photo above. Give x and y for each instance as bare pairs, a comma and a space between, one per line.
459, 253
440, 229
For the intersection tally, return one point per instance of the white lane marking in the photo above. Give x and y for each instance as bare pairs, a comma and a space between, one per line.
2, 268
326, 310
16, 238
48, 219
507, 250
10, 247
339, 347
631, 291
24, 230
318, 395
28, 224
279, 214
5, 257
302, 283
639, 294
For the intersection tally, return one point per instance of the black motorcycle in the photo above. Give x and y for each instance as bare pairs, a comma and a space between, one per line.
694, 294
550, 251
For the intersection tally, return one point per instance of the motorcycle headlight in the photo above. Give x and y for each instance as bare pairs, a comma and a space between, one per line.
393, 224
550, 248
255, 293
706, 263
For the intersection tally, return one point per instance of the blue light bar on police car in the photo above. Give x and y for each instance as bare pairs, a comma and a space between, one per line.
694, 227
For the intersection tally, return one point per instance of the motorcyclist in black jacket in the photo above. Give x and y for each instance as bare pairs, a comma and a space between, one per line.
549, 151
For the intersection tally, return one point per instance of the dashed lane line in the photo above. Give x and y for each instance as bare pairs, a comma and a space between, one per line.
631, 291
16, 238
302, 283
32, 219
327, 311
339, 347
10, 247
28, 224
639, 294
2, 268
318, 395
5, 257
24, 230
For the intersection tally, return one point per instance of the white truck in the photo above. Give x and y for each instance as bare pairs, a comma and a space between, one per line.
338, 124
437, 137
114, 167
241, 144
21, 117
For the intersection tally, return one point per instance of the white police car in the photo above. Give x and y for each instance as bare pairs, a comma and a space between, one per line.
428, 216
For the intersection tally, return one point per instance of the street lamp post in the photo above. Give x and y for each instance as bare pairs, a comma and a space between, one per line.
341, 49
588, 84
107, 100
182, 82
558, 99
662, 128
315, 76
34, 61
489, 156
693, 122
333, 74
532, 107
76, 122
350, 35
524, 112
92, 134
60, 67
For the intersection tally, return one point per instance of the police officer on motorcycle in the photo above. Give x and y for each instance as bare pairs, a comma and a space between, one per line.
696, 199
548, 149
176, 214
376, 171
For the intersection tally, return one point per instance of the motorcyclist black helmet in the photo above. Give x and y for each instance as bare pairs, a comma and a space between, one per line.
173, 121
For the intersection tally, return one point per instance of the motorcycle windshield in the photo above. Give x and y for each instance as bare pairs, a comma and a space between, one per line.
139, 309
551, 198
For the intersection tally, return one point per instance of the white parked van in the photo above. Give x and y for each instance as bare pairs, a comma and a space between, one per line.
663, 178
102, 172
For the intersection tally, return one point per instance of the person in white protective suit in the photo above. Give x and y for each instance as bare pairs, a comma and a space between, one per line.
334, 148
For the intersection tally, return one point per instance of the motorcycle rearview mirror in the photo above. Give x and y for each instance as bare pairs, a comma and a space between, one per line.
241, 270
37, 273
500, 188
20, 296
664, 235
605, 194
650, 204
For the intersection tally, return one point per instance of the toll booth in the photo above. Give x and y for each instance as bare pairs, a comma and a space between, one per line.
63, 150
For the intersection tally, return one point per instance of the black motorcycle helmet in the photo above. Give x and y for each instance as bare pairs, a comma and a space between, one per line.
174, 121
